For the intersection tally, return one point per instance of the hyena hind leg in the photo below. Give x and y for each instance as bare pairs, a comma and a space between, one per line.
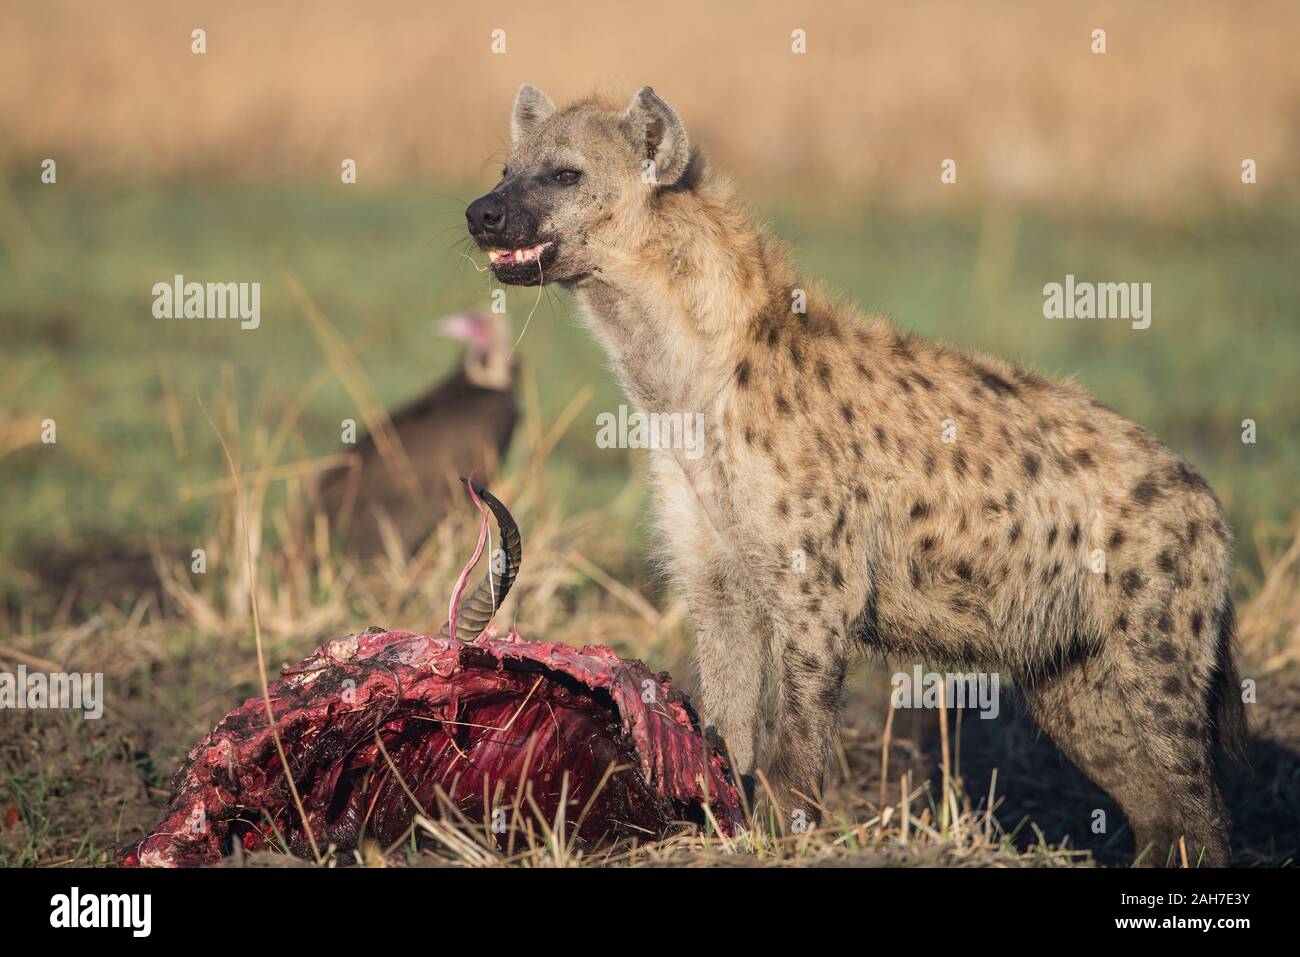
1147, 742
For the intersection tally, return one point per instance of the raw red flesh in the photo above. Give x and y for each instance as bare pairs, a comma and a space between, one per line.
451, 714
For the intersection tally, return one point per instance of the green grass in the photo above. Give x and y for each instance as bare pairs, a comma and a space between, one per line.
82, 347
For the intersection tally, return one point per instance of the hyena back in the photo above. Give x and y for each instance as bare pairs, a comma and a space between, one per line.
866, 490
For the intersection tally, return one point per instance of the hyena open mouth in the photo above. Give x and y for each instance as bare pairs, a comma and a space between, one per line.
522, 267
531, 254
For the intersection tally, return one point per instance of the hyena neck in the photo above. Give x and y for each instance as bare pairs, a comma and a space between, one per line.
674, 312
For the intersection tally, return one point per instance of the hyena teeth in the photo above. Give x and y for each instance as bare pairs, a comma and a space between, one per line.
526, 255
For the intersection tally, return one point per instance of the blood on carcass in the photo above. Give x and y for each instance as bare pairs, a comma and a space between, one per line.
385, 725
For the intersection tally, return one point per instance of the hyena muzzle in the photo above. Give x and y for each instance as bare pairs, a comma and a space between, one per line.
866, 490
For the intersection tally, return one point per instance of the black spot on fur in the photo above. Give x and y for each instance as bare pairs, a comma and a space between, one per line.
927, 543
1051, 536
1014, 535
1131, 581
742, 373
1116, 539
1188, 477
964, 570
914, 570
994, 382
920, 510
824, 374
1084, 458
1198, 621
959, 462
903, 347
1145, 492
865, 629
1075, 534
1030, 463
833, 689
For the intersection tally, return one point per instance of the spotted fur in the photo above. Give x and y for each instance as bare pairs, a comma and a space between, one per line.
829, 517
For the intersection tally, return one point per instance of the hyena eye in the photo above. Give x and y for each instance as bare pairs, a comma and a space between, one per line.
567, 177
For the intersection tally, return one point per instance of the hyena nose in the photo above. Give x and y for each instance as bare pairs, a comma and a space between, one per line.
487, 214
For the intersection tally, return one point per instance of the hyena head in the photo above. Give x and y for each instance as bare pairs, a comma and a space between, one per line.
577, 185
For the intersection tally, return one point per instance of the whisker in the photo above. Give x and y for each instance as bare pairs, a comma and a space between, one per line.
451, 197
442, 232
472, 262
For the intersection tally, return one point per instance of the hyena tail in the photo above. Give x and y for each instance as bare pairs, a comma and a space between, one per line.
1226, 706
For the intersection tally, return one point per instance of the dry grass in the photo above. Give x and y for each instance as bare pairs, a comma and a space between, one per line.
178, 656
885, 805
886, 91
1270, 625
266, 582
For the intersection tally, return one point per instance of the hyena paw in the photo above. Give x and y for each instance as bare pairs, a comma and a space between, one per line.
785, 809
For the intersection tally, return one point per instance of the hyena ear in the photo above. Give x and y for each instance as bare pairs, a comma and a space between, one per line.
531, 107
660, 136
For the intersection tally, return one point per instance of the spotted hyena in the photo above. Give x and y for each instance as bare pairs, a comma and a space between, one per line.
865, 490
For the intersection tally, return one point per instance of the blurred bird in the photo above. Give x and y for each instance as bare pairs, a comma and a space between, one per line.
462, 425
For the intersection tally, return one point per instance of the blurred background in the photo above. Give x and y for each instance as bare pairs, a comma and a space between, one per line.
225, 166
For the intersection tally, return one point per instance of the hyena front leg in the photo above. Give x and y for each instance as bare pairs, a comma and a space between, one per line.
810, 665
731, 655
731, 643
